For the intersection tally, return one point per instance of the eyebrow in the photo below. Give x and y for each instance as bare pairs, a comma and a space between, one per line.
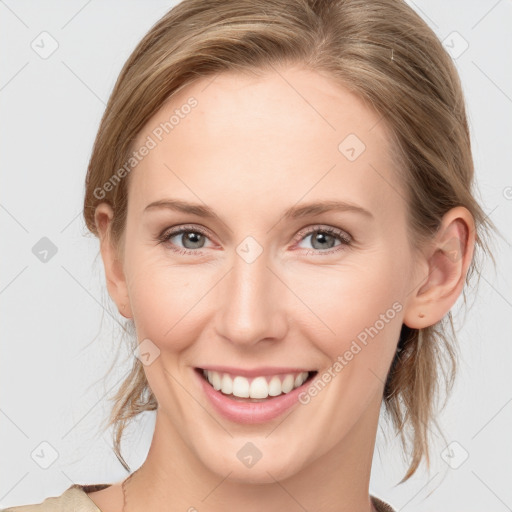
294, 212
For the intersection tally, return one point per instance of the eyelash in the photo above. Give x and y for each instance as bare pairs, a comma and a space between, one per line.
344, 238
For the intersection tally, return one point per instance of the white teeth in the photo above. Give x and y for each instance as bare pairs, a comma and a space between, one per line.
227, 385
259, 387
240, 387
274, 388
288, 383
216, 381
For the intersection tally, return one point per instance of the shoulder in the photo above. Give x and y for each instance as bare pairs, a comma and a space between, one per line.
73, 498
380, 506
76, 497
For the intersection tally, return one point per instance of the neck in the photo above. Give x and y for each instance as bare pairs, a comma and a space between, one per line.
174, 478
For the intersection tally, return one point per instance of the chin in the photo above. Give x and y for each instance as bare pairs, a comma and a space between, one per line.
259, 475
270, 467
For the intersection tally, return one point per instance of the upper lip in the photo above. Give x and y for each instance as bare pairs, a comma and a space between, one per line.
254, 372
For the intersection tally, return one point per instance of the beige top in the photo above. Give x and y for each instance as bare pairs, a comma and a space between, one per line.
75, 499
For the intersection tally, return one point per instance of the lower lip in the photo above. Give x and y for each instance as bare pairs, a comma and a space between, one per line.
250, 412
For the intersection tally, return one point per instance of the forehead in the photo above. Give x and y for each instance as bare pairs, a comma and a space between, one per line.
290, 129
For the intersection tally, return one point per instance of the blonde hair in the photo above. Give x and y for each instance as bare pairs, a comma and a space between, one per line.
380, 50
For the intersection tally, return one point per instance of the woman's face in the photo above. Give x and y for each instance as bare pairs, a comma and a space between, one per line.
258, 283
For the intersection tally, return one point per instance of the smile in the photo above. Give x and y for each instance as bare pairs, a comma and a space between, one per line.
260, 387
256, 399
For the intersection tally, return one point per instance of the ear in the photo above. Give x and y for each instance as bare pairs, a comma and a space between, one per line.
443, 268
116, 282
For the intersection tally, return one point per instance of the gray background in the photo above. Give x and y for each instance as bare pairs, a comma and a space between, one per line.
59, 327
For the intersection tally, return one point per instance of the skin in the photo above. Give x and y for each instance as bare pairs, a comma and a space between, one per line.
253, 147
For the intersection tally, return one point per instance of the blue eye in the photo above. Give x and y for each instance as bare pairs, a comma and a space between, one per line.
194, 237
323, 239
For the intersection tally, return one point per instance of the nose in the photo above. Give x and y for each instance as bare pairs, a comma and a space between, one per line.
252, 302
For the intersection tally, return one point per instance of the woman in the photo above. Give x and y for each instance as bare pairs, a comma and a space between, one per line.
240, 137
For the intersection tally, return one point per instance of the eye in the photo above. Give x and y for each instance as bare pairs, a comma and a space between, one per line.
323, 239
192, 238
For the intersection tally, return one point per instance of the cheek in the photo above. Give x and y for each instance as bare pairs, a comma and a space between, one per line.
168, 302
356, 308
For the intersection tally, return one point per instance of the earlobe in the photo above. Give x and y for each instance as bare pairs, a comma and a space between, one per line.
448, 259
116, 282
